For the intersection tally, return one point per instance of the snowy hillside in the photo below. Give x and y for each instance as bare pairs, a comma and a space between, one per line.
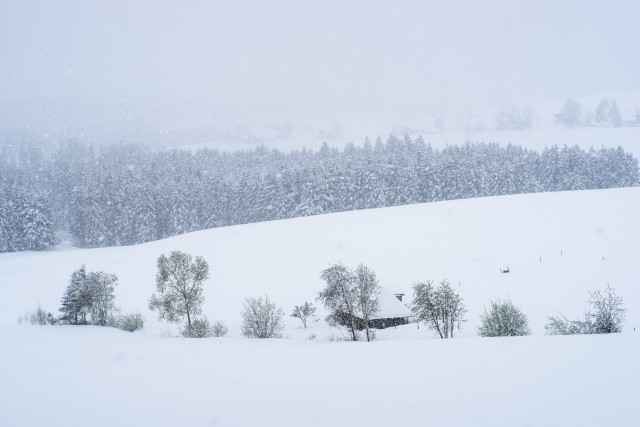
557, 246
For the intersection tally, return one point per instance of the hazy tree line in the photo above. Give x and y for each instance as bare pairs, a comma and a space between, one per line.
127, 194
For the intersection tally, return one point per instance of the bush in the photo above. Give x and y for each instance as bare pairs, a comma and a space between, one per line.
131, 322
503, 320
560, 325
606, 315
219, 329
262, 318
199, 328
607, 311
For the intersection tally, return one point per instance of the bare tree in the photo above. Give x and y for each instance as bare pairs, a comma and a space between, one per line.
303, 312
179, 284
441, 309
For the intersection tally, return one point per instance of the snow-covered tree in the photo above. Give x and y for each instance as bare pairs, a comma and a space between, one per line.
614, 114
36, 225
340, 297
441, 308
351, 297
101, 289
89, 293
219, 329
262, 318
303, 312
127, 194
179, 281
607, 311
570, 115
504, 319
367, 290
76, 300
606, 315
602, 111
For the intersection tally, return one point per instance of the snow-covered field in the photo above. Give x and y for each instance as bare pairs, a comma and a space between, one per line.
558, 247
78, 376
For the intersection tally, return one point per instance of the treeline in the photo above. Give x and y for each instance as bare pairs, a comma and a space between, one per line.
128, 194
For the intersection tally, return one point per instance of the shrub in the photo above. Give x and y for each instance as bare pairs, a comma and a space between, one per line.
503, 320
219, 329
199, 328
131, 322
560, 325
262, 318
606, 315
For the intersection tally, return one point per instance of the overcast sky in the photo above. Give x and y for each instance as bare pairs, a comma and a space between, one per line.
143, 64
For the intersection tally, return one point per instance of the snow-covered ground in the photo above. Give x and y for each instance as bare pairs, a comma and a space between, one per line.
77, 376
558, 246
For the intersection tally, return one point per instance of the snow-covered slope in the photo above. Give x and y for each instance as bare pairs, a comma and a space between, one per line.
558, 246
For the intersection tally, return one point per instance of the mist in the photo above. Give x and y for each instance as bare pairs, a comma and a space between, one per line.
161, 71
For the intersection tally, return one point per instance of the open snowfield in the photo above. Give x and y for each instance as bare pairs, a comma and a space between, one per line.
558, 247
78, 376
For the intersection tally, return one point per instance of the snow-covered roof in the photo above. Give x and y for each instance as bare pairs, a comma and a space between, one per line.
390, 306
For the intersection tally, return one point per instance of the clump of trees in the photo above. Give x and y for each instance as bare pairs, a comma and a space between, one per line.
351, 297
39, 316
262, 318
606, 113
504, 319
303, 312
179, 282
514, 117
89, 298
441, 308
606, 315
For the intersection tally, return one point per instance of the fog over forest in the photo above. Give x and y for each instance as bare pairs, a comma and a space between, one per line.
170, 72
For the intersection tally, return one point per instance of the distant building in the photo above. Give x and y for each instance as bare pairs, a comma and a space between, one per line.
392, 312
